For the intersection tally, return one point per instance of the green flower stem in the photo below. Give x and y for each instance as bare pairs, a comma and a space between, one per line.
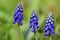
35, 36
18, 30
50, 38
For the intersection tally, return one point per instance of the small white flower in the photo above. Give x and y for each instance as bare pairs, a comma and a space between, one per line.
49, 20
52, 19
21, 9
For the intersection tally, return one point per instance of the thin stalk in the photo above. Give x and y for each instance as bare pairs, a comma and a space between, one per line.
50, 38
35, 36
18, 30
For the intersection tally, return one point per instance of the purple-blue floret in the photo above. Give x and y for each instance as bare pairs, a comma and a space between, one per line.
49, 26
18, 15
34, 21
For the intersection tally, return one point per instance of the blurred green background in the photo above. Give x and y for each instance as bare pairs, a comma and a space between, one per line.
8, 30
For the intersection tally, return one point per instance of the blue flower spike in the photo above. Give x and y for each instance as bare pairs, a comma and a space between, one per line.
49, 26
18, 15
34, 21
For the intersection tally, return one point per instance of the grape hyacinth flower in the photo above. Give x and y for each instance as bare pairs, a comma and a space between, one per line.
34, 21
49, 26
18, 17
18, 14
